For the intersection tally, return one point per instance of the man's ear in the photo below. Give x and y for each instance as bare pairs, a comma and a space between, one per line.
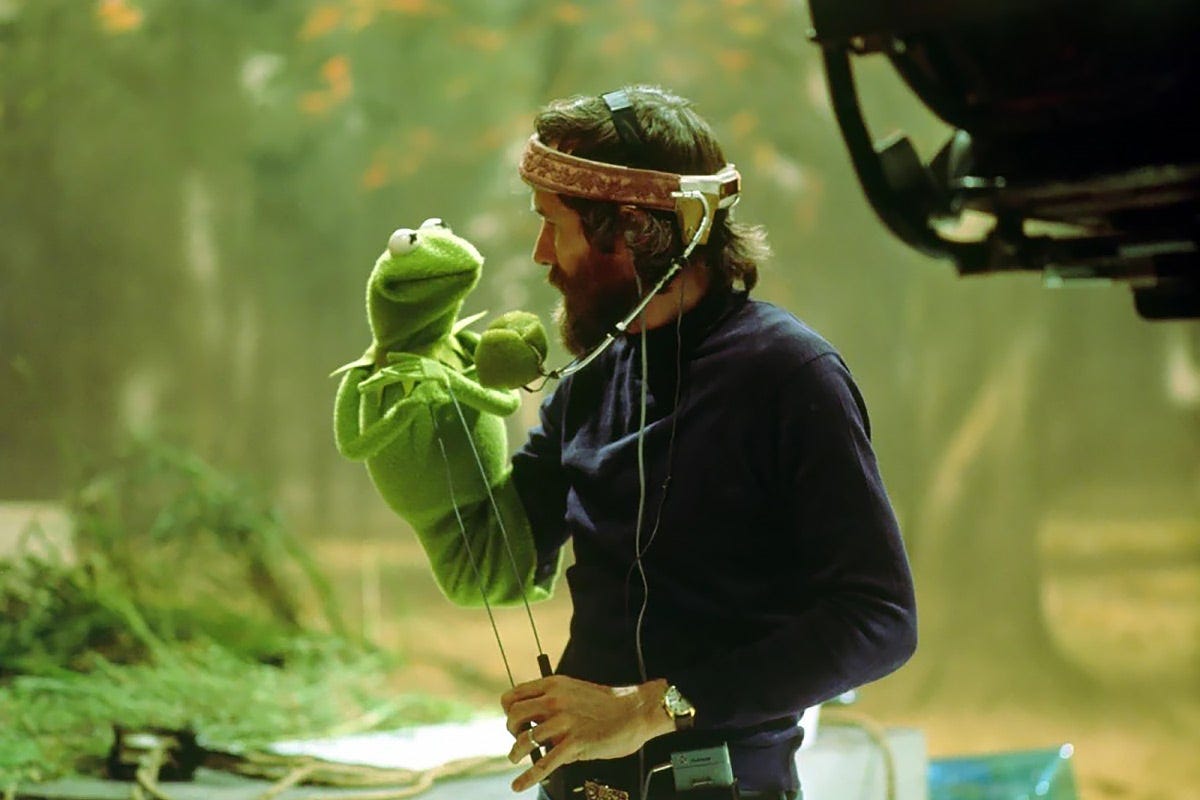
634, 222
632, 219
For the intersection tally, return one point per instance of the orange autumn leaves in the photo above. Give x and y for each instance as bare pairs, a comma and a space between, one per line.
337, 86
391, 164
358, 14
336, 80
343, 32
118, 16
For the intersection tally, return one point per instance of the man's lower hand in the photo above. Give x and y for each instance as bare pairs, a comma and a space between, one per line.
577, 720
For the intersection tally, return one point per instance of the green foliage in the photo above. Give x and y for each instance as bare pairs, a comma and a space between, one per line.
55, 724
57, 613
176, 534
175, 610
167, 549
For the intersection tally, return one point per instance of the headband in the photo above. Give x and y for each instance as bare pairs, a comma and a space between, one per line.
693, 197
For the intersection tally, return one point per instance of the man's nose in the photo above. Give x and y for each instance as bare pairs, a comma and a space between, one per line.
543, 248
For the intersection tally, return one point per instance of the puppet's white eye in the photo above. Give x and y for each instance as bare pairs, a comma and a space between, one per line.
434, 222
404, 240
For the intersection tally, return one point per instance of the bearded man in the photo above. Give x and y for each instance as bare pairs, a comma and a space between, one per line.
736, 556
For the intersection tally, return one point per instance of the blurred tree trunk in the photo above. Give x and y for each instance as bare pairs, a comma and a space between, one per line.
62, 385
979, 500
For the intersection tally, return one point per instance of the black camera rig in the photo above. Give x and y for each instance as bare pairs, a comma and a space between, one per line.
1075, 133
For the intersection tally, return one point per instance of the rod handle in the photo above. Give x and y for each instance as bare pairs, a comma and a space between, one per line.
544, 667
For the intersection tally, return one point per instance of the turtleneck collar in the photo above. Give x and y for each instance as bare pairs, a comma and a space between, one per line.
695, 324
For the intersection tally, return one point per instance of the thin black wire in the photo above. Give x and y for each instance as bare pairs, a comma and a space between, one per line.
467, 544
650, 774
499, 520
662, 500
639, 548
641, 504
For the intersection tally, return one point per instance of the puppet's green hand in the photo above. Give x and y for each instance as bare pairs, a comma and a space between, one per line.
512, 350
421, 378
388, 376
418, 367
406, 369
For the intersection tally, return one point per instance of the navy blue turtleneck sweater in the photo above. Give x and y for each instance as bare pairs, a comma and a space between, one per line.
776, 573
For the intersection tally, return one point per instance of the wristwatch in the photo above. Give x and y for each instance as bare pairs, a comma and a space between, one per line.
678, 709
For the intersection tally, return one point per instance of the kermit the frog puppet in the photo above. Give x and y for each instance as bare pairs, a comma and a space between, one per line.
431, 433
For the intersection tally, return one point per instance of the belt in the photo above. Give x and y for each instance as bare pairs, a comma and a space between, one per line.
544, 795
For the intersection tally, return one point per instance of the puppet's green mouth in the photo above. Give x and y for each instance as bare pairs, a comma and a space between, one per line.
392, 285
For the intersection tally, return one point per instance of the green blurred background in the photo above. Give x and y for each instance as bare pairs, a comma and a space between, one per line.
192, 194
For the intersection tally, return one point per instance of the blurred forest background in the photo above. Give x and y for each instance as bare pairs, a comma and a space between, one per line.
192, 194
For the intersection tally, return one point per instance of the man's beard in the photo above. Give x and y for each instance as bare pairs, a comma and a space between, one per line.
594, 299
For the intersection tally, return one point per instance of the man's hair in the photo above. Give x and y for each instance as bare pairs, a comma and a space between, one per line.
674, 139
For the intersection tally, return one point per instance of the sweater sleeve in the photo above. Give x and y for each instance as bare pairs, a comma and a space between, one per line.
855, 616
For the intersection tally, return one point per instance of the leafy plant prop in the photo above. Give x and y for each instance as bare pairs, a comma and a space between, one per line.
180, 607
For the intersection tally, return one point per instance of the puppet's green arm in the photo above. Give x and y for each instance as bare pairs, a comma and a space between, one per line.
500, 402
451, 565
422, 370
352, 443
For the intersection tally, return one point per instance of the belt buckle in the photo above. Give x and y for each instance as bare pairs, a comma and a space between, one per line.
593, 790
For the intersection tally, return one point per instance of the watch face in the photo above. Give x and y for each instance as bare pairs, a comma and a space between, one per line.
677, 705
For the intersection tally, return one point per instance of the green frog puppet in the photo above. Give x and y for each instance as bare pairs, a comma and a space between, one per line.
424, 408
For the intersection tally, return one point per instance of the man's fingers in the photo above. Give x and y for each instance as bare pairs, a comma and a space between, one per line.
524, 691
554, 758
525, 712
525, 744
